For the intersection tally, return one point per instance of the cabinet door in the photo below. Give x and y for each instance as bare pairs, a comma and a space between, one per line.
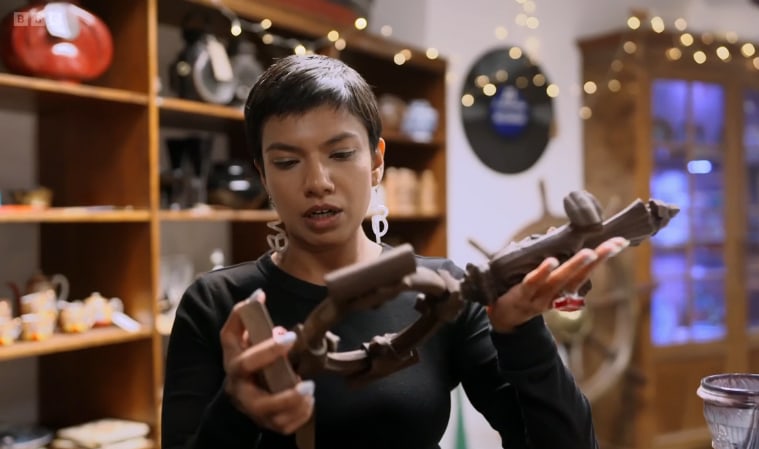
688, 266
750, 141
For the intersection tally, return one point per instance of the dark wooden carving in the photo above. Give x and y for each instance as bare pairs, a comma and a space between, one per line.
441, 296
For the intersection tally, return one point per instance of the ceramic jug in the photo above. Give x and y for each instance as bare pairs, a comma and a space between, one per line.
39, 283
420, 120
55, 39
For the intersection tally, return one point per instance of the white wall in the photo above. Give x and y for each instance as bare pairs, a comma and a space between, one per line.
462, 33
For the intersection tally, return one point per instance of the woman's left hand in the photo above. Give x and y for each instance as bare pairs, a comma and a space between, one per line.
549, 281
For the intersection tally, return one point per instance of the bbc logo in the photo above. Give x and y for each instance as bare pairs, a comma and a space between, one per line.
35, 19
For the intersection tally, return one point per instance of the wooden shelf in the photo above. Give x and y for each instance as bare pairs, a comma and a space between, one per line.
26, 84
414, 217
190, 107
383, 49
184, 113
121, 121
217, 215
359, 42
197, 115
260, 216
73, 215
71, 342
299, 23
399, 139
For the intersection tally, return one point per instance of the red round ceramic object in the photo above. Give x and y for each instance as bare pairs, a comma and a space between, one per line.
28, 48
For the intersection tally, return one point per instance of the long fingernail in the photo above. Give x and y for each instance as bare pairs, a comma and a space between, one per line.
257, 295
589, 257
284, 338
619, 248
306, 388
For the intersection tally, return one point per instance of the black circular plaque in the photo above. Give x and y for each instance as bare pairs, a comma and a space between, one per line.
506, 110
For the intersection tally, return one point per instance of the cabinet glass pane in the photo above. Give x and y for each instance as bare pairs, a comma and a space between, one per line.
670, 110
708, 306
707, 210
751, 152
688, 302
752, 285
708, 115
671, 186
669, 312
751, 148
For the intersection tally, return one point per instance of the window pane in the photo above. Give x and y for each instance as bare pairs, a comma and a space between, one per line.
751, 151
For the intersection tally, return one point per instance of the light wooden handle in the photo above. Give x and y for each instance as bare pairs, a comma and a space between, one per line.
278, 376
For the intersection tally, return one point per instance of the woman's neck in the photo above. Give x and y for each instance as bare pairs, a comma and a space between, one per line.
311, 265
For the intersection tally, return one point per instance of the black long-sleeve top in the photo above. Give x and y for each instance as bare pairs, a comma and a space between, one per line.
516, 380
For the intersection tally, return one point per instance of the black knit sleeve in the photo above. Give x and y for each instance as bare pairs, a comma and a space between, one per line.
519, 383
196, 412
555, 412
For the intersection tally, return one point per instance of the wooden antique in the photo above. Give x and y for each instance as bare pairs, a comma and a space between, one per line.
674, 114
368, 285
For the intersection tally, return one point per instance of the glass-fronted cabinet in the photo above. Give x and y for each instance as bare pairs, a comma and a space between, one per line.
688, 267
679, 123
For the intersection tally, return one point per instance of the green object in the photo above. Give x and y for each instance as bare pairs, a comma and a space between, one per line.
460, 427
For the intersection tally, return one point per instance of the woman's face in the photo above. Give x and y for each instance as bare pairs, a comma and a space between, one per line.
319, 171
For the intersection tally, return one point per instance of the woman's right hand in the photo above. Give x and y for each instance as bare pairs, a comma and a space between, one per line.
282, 412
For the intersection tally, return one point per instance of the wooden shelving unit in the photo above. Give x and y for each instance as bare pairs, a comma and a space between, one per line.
261, 216
60, 343
74, 215
98, 148
218, 215
20, 83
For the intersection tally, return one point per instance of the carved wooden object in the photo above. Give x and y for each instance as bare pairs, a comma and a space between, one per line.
441, 296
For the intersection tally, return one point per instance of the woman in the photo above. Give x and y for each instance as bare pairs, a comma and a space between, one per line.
314, 132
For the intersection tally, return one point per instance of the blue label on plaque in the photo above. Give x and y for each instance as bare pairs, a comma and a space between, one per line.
509, 112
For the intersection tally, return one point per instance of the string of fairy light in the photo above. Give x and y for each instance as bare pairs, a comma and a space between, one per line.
700, 47
687, 44
526, 18
339, 39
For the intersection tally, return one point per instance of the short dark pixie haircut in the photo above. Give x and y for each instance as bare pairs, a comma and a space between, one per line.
297, 84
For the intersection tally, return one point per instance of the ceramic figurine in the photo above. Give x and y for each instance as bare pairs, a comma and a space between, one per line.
102, 309
391, 110
10, 330
427, 193
75, 317
37, 326
39, 282
420, 120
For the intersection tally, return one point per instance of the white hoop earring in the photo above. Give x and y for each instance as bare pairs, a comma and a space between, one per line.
379, 217
277, 241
